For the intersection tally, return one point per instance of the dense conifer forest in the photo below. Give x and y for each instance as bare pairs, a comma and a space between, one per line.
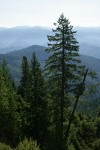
54, 107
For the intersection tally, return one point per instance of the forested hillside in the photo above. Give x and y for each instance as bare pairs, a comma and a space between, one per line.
49, 95
14, 60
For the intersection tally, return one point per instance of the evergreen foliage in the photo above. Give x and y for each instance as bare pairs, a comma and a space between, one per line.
39, 103
42, 107
24, 82
27, 145
9, 117
63, 70
4, 147
34, 93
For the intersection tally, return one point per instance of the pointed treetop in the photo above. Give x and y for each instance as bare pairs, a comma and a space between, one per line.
63, 21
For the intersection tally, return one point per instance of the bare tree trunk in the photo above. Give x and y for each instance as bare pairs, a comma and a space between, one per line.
80, 92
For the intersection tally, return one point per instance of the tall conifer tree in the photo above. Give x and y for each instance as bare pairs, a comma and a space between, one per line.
24, 81
39, 103
24, 89
9, 116
34, 93
63, 69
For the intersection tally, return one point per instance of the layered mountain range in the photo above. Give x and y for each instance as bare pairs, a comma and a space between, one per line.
12, 39
23, 41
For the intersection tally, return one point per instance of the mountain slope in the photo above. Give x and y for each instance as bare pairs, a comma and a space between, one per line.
88, 35
14, 59
90, 50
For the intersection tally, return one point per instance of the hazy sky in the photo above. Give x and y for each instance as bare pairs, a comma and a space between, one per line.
45, 12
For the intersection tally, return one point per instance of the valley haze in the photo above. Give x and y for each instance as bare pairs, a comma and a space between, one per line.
20, 37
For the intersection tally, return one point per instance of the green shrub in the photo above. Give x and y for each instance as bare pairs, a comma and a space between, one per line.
71, 147
97, 144
4, 147
27, 145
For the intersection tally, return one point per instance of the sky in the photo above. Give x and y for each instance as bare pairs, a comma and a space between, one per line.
85, 13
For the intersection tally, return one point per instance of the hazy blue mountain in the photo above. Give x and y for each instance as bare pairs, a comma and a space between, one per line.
14, 59
88, 35
20, 37
89, 40
90, 50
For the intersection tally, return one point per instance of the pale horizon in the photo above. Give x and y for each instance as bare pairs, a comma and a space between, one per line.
17, 13
45, 27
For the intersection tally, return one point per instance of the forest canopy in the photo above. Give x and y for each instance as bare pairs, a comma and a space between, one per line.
49, 108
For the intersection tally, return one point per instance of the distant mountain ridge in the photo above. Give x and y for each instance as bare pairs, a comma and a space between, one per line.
20, 37
15, 38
